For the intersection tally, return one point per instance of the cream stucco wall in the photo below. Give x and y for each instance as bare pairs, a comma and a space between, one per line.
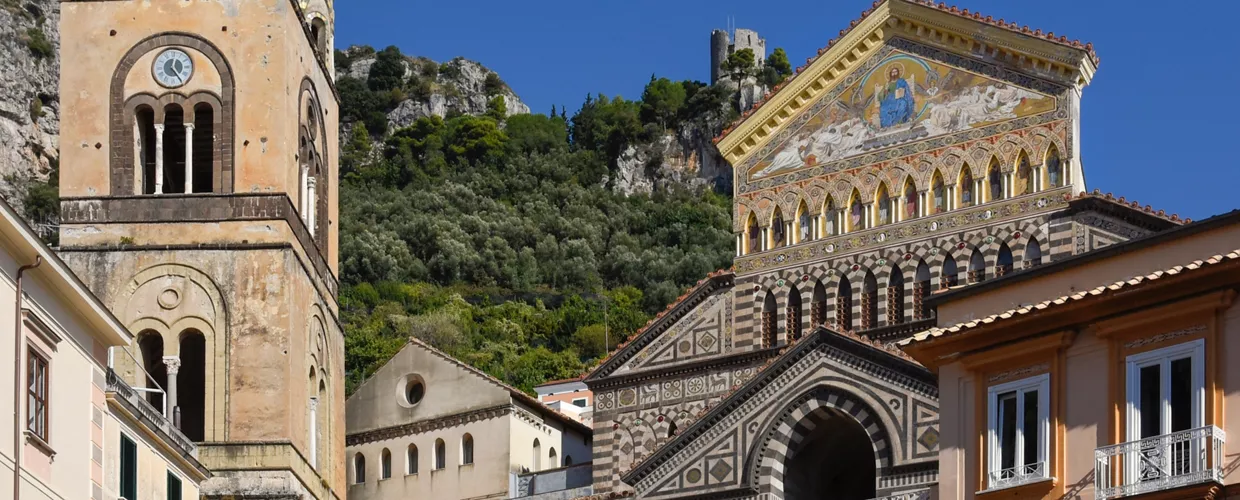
153, 465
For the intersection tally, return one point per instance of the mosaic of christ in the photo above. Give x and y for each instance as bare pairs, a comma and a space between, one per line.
904, 98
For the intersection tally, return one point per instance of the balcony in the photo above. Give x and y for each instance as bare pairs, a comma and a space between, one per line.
908, 495
1016, 476
134, 403
1160, 463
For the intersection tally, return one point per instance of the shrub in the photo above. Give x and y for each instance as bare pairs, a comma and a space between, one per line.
38, 44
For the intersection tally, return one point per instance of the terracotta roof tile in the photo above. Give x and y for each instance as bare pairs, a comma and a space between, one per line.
1135, 281
964, 13
1162, 214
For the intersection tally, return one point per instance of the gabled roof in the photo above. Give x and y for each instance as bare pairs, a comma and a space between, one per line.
845, 341
1136, 282
534, 404
831, 62
1181, 228
646, 334
28, 248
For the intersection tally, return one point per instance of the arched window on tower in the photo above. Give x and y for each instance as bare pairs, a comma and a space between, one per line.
949, 275
537, 455
966, 186
778, 233
1024, 176
805, 224
921, 290
192, 385
312, 417
172, 179
994, 181
359, 469
977, 267
843, 305
793, 314
769, 320
202, 172
831, 218
151, 345
895, 296
1003, 266
322, 426
441, 454
818, 306
856, 213
553, 460
869, 301
318, 34
1054, 168
753, 235
938, 193
1033, 253
144, 145
884, 205
912, 207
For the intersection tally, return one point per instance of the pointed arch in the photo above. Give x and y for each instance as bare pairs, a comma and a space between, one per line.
1004, 264
831, 217
1053, 167
843, 305
994, 181
883, 206
977, 267
779, 235
921, 290
753, 235
967, 188
804, 224
1033, 253
938, 193
949, 272
1024, 175
869, 301
792, 318
818, 306
769, 320
895, 296
856, 212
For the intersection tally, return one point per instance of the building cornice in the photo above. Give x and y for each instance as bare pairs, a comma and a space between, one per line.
421, 426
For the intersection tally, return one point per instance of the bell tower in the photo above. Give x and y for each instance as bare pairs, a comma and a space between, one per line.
199, 201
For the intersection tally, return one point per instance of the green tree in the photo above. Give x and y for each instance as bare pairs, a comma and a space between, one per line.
739, 65
530, 133
776, 69
474, 138
493, 85
662, 100
388, 70
497, 109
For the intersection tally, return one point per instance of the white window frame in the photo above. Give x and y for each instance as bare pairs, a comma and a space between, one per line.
1194, 350
1041, 384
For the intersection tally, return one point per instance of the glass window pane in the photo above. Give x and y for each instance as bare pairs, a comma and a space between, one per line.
1181, 394
1007, 430
1150, 400
1030, 430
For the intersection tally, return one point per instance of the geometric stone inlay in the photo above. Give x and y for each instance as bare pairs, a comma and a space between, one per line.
929, 438
694, 475
720, 470
706, 341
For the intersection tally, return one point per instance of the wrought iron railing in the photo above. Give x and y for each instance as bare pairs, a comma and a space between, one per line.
1160, 463
1016, 476
908, 495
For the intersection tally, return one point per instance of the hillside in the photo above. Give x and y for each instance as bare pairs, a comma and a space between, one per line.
29, 108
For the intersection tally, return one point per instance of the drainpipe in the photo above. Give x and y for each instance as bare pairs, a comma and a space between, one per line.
17, 380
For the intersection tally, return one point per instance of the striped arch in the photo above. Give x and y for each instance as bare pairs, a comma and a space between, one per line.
796, 422
622, 439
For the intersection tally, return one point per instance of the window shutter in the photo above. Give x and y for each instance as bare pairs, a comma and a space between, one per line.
174, 487
129, 469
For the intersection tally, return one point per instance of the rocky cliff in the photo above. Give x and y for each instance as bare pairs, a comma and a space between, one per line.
29, 97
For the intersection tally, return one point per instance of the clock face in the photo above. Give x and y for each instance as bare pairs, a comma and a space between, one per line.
172, 68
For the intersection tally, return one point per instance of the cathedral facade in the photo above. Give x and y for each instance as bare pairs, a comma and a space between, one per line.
199, 202
924, 149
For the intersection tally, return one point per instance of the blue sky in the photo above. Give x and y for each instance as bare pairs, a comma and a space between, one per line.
1158, 120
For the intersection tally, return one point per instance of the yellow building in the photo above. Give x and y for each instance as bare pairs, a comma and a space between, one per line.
82, 432
199, 202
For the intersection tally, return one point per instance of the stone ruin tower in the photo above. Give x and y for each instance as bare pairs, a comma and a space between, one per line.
722, 45
199, 201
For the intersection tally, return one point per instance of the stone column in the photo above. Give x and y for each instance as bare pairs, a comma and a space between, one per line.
1007, 185
740, 244
789, 226
159, 158
304, 190
314, 432
173, 364
310, 204
189, 158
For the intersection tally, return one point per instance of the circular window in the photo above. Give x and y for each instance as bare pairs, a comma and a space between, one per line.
411, 392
